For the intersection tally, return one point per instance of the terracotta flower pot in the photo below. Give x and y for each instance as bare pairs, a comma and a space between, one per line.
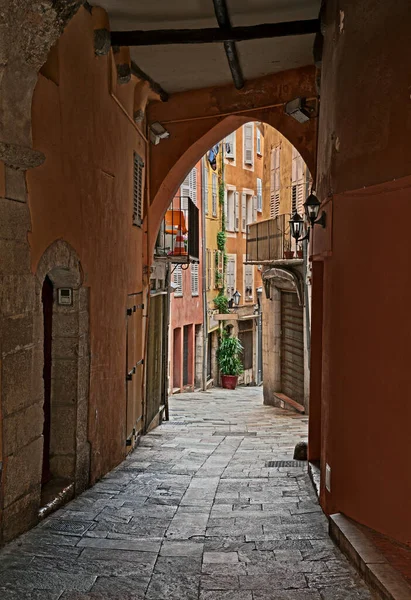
288, 254
229, 382
299, 254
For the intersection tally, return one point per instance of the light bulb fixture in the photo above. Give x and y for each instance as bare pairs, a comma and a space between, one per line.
299, 110
158, 132
312, 208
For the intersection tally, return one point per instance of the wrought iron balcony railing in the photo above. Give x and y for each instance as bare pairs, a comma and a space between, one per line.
270, 240
178, 237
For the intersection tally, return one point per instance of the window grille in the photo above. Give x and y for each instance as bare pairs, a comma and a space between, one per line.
194, 279
138, 190
248, 144
178, 280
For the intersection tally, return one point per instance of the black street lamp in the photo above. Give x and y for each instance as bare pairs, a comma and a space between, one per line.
312, 208
296, 226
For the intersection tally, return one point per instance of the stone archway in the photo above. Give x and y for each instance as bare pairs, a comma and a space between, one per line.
199, 119
68, 446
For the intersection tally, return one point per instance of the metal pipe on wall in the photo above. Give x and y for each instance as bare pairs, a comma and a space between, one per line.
204, 199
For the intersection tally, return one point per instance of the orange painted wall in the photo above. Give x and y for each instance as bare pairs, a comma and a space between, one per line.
83, 194
242, 176
364, 177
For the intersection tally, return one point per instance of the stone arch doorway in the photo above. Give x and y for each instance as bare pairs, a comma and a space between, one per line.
64, 305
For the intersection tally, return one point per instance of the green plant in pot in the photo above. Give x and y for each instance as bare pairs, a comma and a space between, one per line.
229, 362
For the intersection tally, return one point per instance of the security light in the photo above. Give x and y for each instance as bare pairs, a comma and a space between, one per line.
298, 110
158, 132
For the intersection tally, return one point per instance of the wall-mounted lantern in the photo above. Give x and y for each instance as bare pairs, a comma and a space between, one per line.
296, 226
236, 297
312, 208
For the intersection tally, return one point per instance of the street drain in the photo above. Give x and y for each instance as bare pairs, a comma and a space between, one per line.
236, 433
63, 526
286, 463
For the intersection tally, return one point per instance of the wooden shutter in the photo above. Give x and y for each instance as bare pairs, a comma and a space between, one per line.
248, 144
243, 211
194, 279
254, 209
259, 195
193, 185
258, 141
185, 192
138, 185
178, 280
204, 185
214, 193
248, 281
231, 276
275, 183
230, 145
236, 211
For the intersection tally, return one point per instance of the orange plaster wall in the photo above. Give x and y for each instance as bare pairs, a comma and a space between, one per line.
364, 178
83, 194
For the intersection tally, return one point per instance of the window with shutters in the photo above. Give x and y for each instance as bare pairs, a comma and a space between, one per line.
231, 279
248, 280
209, 268
243, 211
230, 143
275, 182
259, 195
218, 269
204, 184
232, 210
259, 151
194, 279
178, 280
298, 184
236, 211
138, 190
248, 135
214, 194
189, 189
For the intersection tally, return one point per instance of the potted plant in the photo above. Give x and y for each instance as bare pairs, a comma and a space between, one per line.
300, 253
229, 362
288, 253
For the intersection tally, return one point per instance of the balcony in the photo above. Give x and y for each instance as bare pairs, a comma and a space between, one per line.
178, 237
270, 240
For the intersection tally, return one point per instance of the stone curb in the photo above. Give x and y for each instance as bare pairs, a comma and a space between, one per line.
370, 563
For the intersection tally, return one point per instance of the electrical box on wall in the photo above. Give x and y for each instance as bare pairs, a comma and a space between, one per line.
65, 296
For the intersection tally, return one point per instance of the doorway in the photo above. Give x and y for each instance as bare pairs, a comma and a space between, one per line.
47, 300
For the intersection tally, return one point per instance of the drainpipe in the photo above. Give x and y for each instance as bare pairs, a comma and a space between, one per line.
204, 280
306, 302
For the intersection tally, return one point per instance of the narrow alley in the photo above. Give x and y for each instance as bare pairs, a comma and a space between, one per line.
195, 512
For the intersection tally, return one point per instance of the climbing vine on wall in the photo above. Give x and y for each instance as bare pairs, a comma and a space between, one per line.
221, 300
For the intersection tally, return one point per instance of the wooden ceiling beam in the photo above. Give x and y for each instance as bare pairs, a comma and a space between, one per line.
213, 35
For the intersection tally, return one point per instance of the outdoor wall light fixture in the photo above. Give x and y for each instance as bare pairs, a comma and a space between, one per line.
312, 208
158, 132
296, 226
236, 297
299, 110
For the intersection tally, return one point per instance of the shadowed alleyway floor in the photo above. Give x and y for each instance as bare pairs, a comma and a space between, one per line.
193, 513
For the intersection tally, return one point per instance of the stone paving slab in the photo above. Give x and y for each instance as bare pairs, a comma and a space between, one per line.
193, 514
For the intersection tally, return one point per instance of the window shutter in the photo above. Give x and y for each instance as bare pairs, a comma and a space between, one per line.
254, 209
214, 194
194, 279
259, 195
193, 185
258, 141
248, 143
138, 190
243, 211
185, 193
275, 183
178, 280
231, 276
248, 281
204, 185
230, 145
237, 211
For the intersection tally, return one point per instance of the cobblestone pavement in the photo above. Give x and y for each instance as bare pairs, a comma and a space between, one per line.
193, 513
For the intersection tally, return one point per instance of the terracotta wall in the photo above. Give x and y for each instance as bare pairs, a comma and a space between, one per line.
187, 309
364, 159
83, 194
